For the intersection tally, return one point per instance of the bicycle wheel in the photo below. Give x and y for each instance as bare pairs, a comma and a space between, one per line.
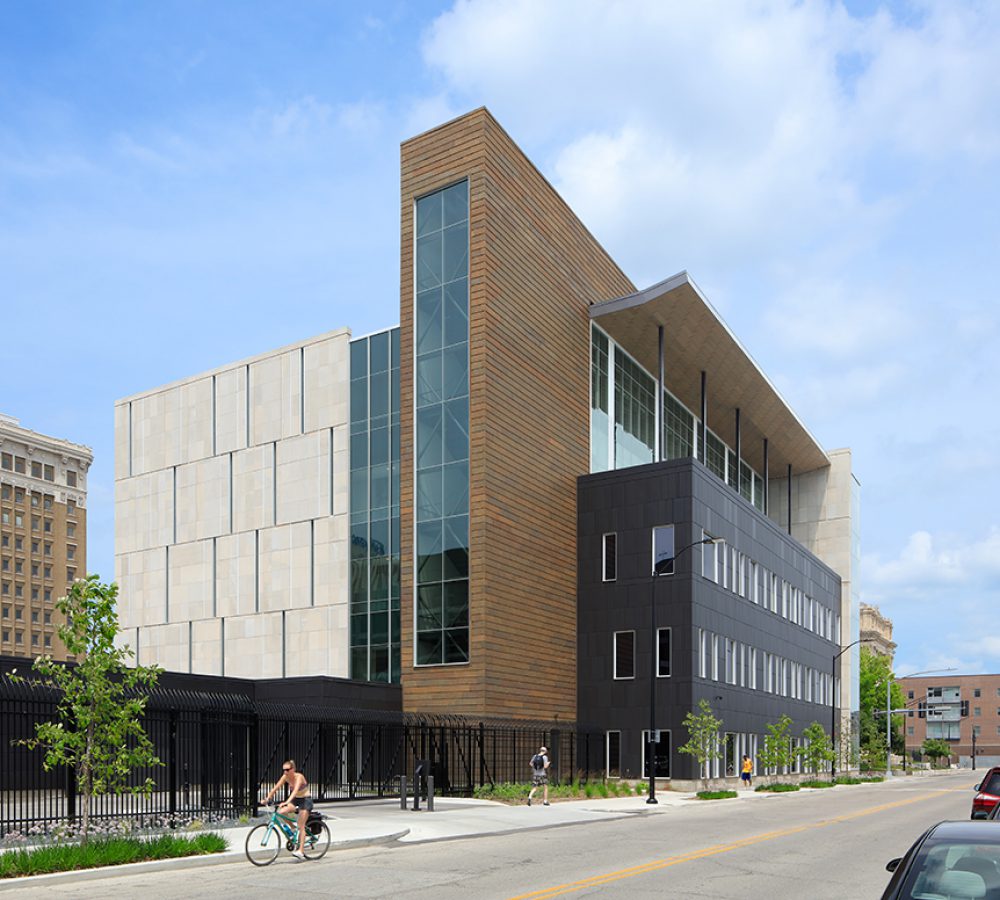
263, 845
317, 844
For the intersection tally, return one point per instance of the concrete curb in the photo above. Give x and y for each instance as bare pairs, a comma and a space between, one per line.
183, 862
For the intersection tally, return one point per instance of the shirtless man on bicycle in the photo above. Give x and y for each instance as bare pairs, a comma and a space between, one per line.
298, 800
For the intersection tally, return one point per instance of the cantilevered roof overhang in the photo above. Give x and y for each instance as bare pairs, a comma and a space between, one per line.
696, 339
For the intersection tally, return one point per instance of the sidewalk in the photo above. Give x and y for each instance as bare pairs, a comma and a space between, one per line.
370, 823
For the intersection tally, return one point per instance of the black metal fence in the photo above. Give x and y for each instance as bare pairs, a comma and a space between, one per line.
222, 752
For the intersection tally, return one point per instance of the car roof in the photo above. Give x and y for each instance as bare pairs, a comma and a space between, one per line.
966, 829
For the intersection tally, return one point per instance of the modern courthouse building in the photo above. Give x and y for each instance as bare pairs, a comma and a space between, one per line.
43, 535
463, 504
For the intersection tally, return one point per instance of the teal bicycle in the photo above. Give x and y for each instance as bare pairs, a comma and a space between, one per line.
265, 841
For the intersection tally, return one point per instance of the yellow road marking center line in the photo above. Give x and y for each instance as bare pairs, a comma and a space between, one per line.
644, 868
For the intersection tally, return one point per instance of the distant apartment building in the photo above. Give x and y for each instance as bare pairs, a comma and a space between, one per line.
43, 535
952, 708
876, 631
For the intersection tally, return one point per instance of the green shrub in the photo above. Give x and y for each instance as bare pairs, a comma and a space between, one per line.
112, 852
716, 795
777, 788
588, 789
846, 779
602, 789
816, 784
872, 779
641, 789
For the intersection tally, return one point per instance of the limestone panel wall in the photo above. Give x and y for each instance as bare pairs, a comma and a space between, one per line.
202, 499
231, 515
144, 511
231, 410
331, 561
190, 586
206, 646
276, 397
325, 362
303, 477
284, 567
253, 646
142, 587
172, 426
253, 488
236, 574
306, 652
164, 645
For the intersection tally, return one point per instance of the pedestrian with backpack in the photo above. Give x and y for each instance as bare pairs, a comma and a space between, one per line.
540, 775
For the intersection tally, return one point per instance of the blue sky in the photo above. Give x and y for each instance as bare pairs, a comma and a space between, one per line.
185, 184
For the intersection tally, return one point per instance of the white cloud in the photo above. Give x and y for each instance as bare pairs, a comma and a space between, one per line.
927, 562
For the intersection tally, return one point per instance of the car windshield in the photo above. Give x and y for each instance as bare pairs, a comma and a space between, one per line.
947, 870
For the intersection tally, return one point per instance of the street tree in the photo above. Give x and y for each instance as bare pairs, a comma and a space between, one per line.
935, 748
102, 699
777, 751
703, 738
818, 751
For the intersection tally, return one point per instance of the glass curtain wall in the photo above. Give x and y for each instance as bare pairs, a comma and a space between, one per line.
374, 594
632, 392
442, 427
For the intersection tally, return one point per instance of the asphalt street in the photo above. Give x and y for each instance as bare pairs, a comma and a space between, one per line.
819, 844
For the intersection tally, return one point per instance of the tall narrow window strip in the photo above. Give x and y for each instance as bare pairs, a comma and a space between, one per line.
441, 425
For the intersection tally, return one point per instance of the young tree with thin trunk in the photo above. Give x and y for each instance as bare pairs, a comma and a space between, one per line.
703, 737
818, 752
777, 752
99, 732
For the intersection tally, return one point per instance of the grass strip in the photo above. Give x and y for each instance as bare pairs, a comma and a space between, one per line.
513, 793
816, 784
716, 795
778, 788
110, 852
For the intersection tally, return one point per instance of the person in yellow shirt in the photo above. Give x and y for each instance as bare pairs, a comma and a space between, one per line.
747, 770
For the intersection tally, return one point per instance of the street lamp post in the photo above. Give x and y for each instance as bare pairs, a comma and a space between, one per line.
833, 707
663, 564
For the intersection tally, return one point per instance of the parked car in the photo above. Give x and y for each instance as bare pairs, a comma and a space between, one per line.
987, 794
950, 860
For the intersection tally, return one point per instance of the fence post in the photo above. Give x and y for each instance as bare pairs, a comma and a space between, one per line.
254, 732
482, 756
172, 760
71, 793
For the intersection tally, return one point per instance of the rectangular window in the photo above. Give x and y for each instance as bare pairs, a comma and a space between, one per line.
624, 654
715, 657
709, 559
702, 653
70, 551
753, 669
663, 550
610, 557
71, 478
6, 461
976, 711
976, 692
36, 470
20, 465
50, 473
663, 653
614, 739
